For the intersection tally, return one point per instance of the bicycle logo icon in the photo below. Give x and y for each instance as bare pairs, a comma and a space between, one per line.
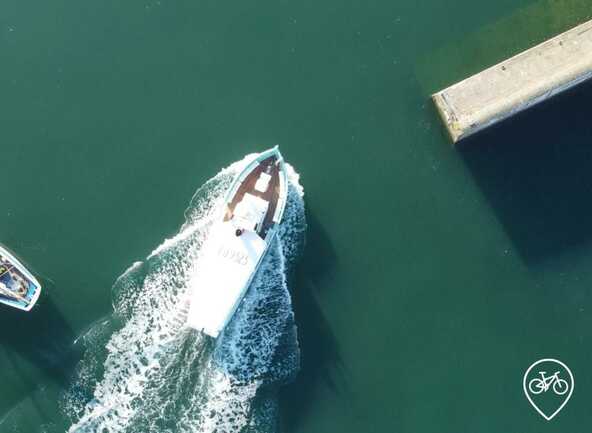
543, 384
559, 385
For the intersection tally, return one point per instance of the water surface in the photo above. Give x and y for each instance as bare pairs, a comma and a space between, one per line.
432, 277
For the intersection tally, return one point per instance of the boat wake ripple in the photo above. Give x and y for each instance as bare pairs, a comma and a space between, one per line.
145, 371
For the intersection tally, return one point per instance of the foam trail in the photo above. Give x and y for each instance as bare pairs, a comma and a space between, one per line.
144, 371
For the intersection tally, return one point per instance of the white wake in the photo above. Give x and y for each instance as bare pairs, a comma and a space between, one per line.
145, 371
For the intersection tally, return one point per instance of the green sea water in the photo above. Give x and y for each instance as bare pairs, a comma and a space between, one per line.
432, 277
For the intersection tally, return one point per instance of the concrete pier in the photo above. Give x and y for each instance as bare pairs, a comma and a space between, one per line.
517, 83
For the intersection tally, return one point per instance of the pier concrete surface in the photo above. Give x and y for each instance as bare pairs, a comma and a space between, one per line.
517, 83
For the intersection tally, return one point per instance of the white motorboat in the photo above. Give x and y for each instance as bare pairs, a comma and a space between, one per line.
18, 287
238, 241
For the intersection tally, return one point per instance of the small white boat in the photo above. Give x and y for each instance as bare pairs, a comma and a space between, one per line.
18, 287
238, 241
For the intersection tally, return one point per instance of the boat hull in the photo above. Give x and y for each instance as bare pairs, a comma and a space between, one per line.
18, 287
229, 260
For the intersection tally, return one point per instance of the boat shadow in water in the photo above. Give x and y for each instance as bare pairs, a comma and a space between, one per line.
321, 363
536, 171
37, 340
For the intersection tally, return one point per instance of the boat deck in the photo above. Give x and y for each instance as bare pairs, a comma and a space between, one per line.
17, 289
271, 195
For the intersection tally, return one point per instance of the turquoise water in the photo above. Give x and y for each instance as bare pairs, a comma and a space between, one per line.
432, 277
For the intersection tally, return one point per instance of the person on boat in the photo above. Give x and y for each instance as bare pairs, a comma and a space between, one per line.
19, 294
4, 290
21, 284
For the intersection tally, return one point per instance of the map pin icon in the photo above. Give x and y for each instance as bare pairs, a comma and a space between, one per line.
548, 385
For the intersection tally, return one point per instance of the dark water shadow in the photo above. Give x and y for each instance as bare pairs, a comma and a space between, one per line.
536, 171
321, 360
42, 337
